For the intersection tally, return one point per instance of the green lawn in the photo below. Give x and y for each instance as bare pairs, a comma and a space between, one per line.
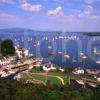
44, 78
55, 80
25, 77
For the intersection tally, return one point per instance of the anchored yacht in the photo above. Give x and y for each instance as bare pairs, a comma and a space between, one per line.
66, 56
96, 52
59, 52
49, 47
98, 62
84, 57
74, 60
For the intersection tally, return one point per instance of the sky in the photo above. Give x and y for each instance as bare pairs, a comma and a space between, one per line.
64, 15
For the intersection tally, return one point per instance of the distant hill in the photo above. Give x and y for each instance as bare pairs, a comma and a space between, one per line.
30, 31
15, 30
23, 30
92, 33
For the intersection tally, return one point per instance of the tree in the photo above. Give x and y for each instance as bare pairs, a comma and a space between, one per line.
7, 47
0, 49
68, 69
16, 90
97, 93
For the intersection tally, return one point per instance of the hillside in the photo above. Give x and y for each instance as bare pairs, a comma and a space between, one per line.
92, 34
15, 30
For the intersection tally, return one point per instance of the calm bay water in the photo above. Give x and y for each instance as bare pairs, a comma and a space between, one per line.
74, 45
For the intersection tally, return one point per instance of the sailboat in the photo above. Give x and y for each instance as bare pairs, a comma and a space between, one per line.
95, 51
46, 38
74, 60
81, 53
84, 57
53, 39
98, 62
60, 52
66, 56
38, 43
49, 47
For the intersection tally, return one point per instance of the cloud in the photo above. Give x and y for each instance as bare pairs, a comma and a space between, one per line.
8, 1
10, 20
58, 0
90, 1
88, 11
69, 23
56, 12
29, 7
5, 15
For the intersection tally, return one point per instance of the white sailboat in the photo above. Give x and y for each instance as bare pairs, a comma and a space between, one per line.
74, 60
53, 39
38, 43
60, 52
84, 57
98, 62
96, 52
34, 45
66, 56
60, 37
49, 47
81, 53
46, 38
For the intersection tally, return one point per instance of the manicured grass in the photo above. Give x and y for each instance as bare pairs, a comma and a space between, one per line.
53, 80
38, 77
44, 78
25, 77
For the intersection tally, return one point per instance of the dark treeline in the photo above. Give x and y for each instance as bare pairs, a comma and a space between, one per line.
92, 33
14, 90
7, 48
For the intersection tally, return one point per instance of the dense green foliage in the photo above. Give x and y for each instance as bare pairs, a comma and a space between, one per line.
68, 69
7, 47
13, 90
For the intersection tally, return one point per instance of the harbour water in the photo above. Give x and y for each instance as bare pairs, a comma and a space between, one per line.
64, 49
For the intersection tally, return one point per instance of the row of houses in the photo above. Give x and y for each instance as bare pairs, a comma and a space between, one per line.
5, 61
20, 53
49, 66
78, 71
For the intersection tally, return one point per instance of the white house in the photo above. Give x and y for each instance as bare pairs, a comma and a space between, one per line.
98, 78
78, 71
4, 74
49, 67
46, 69
22, 52
5, 61
61, 69
26, 52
